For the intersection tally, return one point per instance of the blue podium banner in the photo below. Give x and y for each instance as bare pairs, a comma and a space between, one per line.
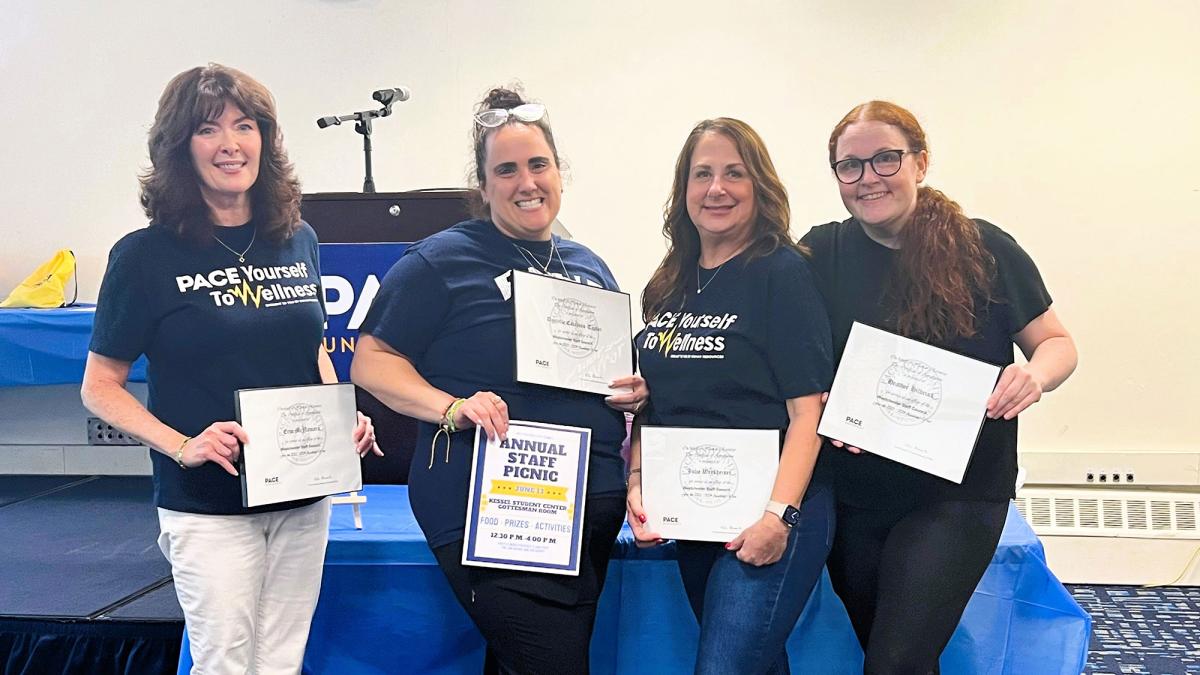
350, 275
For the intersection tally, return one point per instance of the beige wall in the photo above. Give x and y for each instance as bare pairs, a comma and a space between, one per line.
1072, 125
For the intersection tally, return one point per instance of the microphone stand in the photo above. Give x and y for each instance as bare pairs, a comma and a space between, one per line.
362, 125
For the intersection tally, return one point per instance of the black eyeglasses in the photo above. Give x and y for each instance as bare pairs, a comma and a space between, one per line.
884, 163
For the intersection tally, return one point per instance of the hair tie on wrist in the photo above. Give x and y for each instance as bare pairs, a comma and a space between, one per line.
451, 411
445, 426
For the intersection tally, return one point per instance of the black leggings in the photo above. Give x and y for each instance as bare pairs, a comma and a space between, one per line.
905, 577
515, 611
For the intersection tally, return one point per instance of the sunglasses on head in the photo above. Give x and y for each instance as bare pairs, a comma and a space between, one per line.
526, 112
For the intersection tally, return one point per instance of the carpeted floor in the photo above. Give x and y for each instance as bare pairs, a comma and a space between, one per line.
1142, 631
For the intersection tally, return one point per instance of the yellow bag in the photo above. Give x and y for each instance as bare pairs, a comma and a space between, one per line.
47, 286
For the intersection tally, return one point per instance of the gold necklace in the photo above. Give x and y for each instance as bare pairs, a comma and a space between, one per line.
241, 256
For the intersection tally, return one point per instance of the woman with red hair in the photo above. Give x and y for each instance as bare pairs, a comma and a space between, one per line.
911, 547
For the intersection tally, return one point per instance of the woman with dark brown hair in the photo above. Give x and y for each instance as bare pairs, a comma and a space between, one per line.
911, 547
736, 338
439, 345
221, 292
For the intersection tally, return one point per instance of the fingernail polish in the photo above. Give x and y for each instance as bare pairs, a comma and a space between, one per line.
642, 518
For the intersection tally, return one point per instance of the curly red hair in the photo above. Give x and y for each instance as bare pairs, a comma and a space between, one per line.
943, 269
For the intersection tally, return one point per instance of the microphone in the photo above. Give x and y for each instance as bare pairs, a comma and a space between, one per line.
390, 96
327, 121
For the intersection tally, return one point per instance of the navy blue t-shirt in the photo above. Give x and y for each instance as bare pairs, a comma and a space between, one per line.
210, 325
441, 306
733, 355
853, 271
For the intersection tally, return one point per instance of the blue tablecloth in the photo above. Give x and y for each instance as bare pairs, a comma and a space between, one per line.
48, 346
385, 608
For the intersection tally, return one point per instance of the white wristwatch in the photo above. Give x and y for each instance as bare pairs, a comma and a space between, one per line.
789, 514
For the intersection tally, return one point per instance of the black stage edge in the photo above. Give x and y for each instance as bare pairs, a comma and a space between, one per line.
83, 586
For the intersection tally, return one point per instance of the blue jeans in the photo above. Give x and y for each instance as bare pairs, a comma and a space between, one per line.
746, 613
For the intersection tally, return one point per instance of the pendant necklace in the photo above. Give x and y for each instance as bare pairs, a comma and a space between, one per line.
242, 256
531, 258
699, 288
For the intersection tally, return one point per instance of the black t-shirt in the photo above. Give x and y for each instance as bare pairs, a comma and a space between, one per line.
853, 272
441, 305
210, 325
733, 355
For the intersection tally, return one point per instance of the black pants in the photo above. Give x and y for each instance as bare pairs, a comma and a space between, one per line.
905, 577
517, 611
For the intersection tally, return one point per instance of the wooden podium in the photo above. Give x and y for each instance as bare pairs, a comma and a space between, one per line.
352, 217
355, 217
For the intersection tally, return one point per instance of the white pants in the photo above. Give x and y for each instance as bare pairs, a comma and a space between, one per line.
248, 585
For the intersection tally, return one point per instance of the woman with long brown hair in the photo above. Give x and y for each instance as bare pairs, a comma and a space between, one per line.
737, 338
911, 547
224, 203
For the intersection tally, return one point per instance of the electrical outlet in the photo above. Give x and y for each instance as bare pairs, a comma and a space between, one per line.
100, 432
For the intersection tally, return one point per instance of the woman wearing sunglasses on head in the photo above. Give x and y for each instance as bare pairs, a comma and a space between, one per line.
437, 345
911, 547
737, 338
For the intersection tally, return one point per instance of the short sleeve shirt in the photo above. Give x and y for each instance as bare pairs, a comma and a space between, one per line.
443, 307
731, 355
209, 325
853, 272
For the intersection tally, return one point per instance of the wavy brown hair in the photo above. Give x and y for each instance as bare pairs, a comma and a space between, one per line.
171, 188
503, 98
772, 214
943, 269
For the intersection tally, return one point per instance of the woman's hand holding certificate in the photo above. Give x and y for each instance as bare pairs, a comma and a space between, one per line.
570, 335
908, 401
763, 543
1017, 390
300, 442
707, 484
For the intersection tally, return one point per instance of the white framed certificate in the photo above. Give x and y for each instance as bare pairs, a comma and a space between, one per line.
527, 498
301, 443
569, 334
706, 484
908, 401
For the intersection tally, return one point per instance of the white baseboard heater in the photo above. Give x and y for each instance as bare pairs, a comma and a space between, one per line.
1116, 536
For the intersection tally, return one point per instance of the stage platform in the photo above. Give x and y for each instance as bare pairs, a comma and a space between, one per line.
83, 586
